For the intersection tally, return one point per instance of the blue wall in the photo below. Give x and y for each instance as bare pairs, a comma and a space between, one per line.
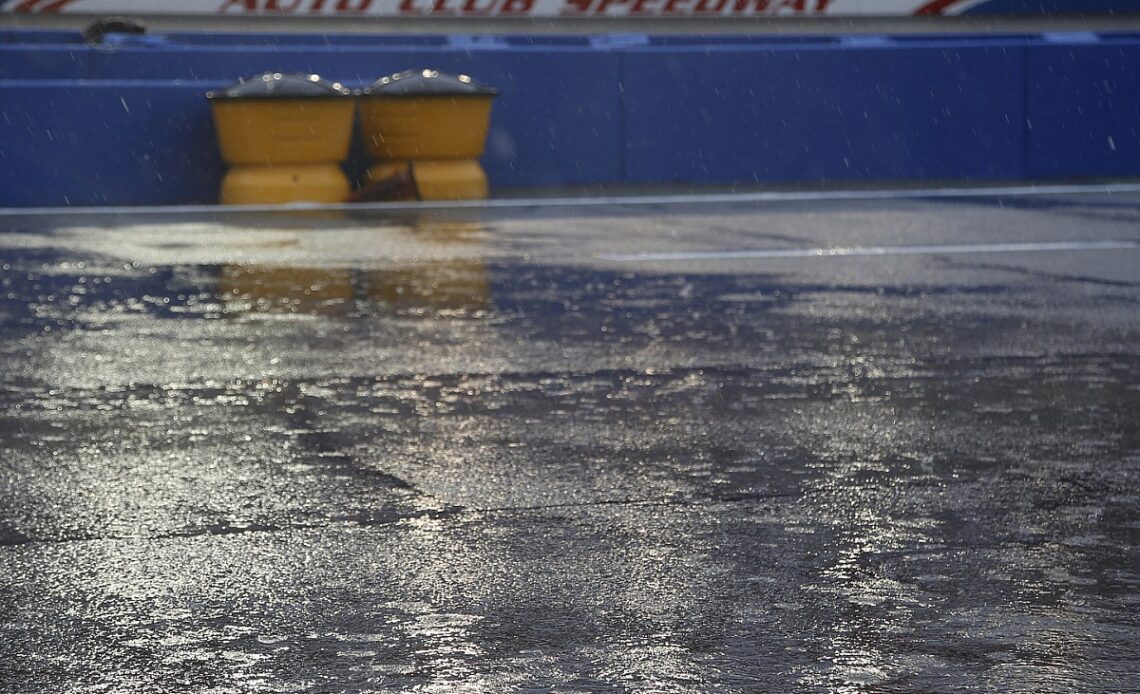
129, 124
835, 113
1047, 7
1083, 110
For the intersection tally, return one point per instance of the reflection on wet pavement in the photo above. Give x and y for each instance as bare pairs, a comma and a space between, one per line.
468, 456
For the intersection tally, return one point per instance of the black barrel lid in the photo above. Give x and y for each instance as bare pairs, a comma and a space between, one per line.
427, 83
276, 85
95, 32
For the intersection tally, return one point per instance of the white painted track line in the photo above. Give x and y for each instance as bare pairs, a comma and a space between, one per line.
601, 201
938, 249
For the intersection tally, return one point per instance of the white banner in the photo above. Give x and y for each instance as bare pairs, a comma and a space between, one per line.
498, 8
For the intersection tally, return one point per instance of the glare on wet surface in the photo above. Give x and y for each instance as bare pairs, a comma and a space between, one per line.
497, 451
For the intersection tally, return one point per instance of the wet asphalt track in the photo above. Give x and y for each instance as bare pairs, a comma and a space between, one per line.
508, 451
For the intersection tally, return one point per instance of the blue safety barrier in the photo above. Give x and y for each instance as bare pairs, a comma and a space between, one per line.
1083, 108
857, 113
128, 123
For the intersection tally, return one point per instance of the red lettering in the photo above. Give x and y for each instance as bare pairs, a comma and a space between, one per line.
440, 7
671, 7
741, 6
472, 7
769, 7
603, 5
576, 7
276, 6
409, 7
709, 6
243, 5
516, 6
351, 5
821, 5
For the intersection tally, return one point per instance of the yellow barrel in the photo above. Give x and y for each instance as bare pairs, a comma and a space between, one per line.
277, 185
434, 179
284, 136
283, 119
422, 114
449, 179
283, 132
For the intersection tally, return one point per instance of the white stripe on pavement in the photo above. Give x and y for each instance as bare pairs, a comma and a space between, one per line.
600, 201
875, 251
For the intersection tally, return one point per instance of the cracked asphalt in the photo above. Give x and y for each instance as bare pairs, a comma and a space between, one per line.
624, 448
